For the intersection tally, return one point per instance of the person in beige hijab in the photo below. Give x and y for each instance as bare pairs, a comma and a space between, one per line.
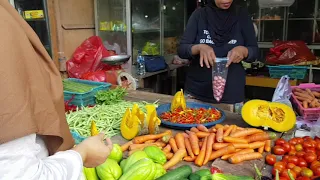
35, 141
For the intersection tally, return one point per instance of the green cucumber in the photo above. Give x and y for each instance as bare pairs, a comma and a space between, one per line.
181, 172
194, 176
203, 172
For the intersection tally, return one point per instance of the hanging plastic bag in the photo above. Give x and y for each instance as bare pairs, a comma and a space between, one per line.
283, 92
219, 77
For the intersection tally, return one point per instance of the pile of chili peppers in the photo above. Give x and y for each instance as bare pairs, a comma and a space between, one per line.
191, 116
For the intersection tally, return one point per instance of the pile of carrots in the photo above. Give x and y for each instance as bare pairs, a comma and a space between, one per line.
308, 98
201, 145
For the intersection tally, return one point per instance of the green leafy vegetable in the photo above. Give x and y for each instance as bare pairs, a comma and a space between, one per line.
73, 86
111, 96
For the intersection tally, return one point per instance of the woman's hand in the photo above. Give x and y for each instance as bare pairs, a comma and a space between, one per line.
207, 55
94, 151
237, 54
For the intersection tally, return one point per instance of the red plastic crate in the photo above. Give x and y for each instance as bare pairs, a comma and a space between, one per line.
311, 114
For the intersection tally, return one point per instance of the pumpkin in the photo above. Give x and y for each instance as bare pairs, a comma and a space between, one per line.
178, 101
135, 122
278, 116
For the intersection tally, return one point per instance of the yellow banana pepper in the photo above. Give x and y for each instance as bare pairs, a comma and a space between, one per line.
94, 130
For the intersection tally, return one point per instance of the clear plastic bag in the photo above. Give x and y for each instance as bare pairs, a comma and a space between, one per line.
283, 92
219, 77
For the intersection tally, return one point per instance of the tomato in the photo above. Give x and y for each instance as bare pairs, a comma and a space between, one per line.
306, 172
297, 169
290, 166
298, 147
271, 159
293, 159
280, 166
305, 138
285, 158
283, 178
303, 178
310, 157
302, 162
285, 174
309, 144
300, 154
278, 150
318, 146
310, 150
292, 153
286, 146
299, 140
314, 164
280, 141
293, 141
316, 170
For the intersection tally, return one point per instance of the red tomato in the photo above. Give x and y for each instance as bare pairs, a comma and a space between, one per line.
303, 178
297, 169
316, 170
290, 166
305, 138
293, 141
278, 150
298, 147
310, 157
293, 159
306, 172
318, 146
299, 140
308, 144
285, 174
271, 159
286, 146
302, 162
280, 166
300, 154
283, 178
310, 150
314, 164
280, 141
292, 153
285, 158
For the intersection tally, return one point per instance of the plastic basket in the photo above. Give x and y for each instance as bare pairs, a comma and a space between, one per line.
88, 98
294, 72
306, 113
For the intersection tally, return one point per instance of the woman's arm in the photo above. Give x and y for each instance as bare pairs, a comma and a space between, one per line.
187, 48
250, 40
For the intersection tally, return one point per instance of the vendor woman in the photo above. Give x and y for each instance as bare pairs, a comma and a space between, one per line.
35, 141
221, 29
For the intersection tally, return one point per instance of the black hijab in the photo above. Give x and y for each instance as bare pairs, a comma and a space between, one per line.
221, 22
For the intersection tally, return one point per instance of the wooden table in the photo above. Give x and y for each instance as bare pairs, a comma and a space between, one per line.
262, 81
245, 168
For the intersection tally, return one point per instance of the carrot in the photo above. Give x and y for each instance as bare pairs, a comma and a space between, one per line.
244, 157
261, 137
142, 139
226, 150
209, 148
150, 141
303, 95
166, 138
234, 129
194, 143
228, 131
256, 145
125, 146
139, 146
185, 135
189, 158
303, 99
199, 160
169, 155
194, 129
305, 104
310, 93
219, 135
200, 144
225, 127
167, 148
188, 147
180, 141
316, 94
213, 130
201, 134
173, 145
241, 145
246, 132
267, 146
234, 140
314, 103
177, 157
243, 151
261, 149
217, 146
217, 126
202, 128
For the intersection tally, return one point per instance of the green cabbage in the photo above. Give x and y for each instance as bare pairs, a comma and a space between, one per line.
136, 156
144, 169
155, 154
116, 153
109, 170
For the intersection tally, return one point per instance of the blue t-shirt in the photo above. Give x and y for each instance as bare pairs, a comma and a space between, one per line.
199, 79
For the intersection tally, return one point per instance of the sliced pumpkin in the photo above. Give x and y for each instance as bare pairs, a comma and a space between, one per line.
130, 125
94, 130
278, 116
136, 111
154, 125
178, 101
